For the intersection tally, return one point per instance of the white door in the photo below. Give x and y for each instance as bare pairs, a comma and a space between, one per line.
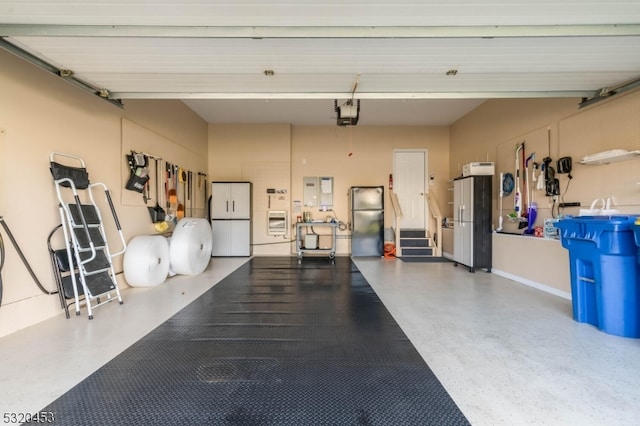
409, 172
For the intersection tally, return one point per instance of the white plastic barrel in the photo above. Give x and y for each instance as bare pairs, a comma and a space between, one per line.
146, 261
190, 248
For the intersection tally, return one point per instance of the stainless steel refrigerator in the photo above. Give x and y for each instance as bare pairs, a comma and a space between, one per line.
367, 220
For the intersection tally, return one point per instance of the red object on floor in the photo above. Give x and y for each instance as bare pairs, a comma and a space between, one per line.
389, 250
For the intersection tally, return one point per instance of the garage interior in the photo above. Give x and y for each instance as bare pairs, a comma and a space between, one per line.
254, 92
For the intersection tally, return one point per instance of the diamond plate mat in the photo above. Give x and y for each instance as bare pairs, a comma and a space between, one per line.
277, 342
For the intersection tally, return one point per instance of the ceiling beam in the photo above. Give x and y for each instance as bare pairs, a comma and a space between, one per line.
66, 75
485, 31
347, 95
606, 92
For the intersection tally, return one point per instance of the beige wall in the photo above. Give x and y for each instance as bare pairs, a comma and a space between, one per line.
362, 156
260, 154
231, 146
255, 152
39, 113
491, 132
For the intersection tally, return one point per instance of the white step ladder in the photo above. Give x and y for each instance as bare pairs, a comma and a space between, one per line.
87, 248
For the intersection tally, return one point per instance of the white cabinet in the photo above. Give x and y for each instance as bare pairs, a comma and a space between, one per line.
231, 218
472, 222
462, 243
231, 200
231, 237
463, 221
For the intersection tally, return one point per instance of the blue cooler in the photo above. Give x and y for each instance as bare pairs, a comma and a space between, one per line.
605, 272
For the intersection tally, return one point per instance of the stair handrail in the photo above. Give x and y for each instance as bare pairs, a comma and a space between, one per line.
397, 216
435, 212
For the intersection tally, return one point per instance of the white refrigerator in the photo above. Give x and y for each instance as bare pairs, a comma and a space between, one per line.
231, 218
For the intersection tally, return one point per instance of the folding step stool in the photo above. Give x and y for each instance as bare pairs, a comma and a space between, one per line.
88, 258
62, 271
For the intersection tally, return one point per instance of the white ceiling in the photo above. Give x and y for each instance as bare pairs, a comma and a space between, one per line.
379, 112
213, 54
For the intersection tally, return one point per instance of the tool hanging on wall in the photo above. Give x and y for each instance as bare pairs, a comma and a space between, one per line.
203, 184
189, 197
532, 209
537, 178
166, 186
552, 184
507, 184
139, 175
517, 197
192, 194
527, 187
173, 193
157, 213
525, 190
500, 196
182, 178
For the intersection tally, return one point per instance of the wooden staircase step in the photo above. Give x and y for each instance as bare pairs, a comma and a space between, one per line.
413, 233
425, 251
415, 242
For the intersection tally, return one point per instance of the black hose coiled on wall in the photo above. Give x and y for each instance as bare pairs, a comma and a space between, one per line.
1, 265
24, 260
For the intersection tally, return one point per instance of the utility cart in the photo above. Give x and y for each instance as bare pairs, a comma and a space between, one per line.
313, 237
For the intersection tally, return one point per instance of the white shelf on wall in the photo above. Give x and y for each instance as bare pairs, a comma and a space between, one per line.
612, 156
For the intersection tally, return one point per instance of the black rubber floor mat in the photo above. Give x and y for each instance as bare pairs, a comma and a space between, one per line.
277, 342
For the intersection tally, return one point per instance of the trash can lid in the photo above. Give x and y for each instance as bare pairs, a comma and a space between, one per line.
600, 223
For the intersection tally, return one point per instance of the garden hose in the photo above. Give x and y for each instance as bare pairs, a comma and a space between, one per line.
24, 260
1, 265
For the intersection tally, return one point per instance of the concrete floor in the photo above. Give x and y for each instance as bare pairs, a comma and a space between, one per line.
508, 354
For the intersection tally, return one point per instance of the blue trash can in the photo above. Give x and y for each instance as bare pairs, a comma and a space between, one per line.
636, 233
605, 273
